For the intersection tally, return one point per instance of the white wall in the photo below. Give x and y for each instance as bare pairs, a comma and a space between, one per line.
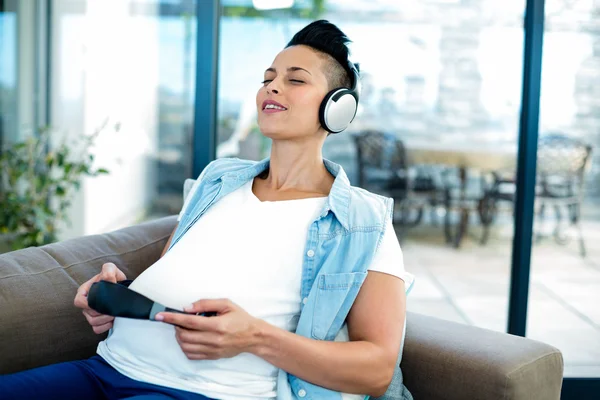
105, 68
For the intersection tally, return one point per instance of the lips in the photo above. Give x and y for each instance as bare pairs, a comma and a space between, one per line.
271, 106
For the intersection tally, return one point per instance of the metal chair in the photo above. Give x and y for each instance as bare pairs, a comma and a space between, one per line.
561, 166
462, 195
383, 169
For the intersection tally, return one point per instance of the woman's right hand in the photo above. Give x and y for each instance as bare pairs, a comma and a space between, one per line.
100, 323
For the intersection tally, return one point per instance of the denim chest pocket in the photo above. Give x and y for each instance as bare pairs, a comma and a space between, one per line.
335, 295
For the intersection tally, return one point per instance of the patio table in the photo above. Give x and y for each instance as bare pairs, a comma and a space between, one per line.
473, 155
485, 157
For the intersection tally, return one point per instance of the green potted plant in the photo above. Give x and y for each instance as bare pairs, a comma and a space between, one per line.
37, 183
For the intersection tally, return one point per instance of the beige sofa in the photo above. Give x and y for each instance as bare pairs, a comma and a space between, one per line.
442, 360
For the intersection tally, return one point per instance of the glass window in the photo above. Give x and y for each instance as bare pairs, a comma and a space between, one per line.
438, 118
19, 31
135, 82
8, 77
565, 269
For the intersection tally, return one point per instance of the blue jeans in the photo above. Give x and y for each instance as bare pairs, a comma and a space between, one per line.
91, 379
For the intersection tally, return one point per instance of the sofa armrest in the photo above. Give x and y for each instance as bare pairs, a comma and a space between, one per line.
447, 360
39, 324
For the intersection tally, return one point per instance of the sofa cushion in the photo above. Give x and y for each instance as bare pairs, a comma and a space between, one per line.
451, 361
39, 323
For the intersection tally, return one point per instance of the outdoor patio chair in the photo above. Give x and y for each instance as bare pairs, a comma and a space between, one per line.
462, 194
561, 166
383, 169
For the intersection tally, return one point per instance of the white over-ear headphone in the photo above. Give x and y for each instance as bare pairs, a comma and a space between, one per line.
339, 106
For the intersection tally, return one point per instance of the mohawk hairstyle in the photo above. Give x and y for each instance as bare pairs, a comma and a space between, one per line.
328, 40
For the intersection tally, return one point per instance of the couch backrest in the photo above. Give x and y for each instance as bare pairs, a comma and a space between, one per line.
39, 324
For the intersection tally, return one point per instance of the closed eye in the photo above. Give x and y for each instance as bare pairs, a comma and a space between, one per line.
266, 81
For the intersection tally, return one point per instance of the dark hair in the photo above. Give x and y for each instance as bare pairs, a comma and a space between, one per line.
329, 40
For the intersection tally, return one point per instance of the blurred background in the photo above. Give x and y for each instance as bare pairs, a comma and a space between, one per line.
437, 129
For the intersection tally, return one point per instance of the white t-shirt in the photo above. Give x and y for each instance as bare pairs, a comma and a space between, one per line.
242, 249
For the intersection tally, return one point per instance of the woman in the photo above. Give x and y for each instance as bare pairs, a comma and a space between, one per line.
304, 271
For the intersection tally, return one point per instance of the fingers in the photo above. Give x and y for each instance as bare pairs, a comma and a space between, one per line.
100, 323
199, 345
198, 352
195, 322
102, 328
91, 312
82, 292
219, 306
81, 297
80, 301
94, 318
189, 336
111, 273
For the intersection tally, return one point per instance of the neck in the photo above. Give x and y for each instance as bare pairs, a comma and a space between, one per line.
297, 168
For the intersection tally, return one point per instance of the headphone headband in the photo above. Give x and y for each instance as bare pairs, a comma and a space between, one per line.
354, 73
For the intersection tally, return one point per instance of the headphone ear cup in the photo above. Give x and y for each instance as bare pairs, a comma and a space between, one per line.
338, 109
323, 107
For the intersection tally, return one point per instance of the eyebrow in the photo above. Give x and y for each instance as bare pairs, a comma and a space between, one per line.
290, 69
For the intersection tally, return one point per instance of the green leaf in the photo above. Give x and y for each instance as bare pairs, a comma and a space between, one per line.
48, 210
18, 146
41, 181
38, 183
50, 159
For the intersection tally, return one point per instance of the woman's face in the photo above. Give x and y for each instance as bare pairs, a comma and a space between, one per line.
288, 102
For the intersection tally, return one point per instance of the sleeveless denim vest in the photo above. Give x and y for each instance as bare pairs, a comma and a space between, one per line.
340, 245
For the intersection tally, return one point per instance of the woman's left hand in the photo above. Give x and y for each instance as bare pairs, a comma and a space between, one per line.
231, 332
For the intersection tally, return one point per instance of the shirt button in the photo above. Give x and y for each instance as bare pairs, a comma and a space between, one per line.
310, 253
301, 392
305, 300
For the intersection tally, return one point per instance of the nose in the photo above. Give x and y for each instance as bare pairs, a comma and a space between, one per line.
272, 87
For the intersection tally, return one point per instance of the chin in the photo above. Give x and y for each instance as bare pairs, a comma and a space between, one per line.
275, 134
274, 131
